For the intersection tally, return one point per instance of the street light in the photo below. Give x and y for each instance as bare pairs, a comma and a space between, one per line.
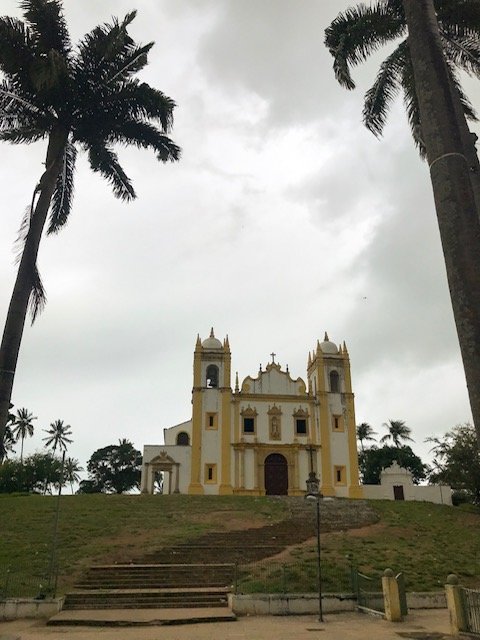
313, 494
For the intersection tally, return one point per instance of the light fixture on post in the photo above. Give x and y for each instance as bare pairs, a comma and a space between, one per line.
313, 494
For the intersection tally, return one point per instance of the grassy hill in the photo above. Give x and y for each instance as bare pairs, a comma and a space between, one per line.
423, 540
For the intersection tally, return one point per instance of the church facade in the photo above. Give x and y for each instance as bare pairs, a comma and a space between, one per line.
265, 435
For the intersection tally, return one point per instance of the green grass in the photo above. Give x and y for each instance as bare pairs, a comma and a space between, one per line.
102, 529
424, 541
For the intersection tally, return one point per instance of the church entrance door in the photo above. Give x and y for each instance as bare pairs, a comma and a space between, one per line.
276, 475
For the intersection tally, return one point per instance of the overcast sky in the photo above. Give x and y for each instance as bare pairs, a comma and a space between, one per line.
285, 218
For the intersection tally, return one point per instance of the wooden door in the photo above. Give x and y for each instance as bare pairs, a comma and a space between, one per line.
398, 492
276, 475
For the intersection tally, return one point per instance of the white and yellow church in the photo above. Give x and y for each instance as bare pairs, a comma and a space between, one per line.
264, 436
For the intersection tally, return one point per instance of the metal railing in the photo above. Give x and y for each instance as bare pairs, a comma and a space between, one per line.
471, 601
27, 582
370, 593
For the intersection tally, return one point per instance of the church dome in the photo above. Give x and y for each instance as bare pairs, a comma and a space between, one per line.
211, 342
328, 347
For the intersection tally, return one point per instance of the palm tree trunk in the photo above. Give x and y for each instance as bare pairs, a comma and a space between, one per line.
444, 129
17, 310
21, 450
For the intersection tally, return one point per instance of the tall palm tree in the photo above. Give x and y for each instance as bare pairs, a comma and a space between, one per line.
365, 433
71, 470
436, 109
23, 427
360, 31
398, 432
58, 436
85, 98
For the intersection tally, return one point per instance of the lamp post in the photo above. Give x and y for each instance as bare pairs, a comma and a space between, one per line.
313, 494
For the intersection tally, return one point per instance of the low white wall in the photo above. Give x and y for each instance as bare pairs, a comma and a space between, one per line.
275, 604
15, 608
438, 494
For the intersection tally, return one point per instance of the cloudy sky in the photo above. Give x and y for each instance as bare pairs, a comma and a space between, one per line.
285, 218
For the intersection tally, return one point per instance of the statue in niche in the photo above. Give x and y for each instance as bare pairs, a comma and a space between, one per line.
274, 428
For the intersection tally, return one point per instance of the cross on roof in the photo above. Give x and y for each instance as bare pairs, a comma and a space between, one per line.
273, 357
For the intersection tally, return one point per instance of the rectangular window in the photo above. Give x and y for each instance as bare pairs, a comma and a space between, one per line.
337, 423
340, 475
210, 473
249, 425
301, 426
211, 421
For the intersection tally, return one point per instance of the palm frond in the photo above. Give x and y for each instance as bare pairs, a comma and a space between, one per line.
63, 194
103, 50
140, 100
132, 62
22, 135
16, 51
462, 52
459, 18
105, 161
357, 33
143, 134
48, 25
412, 107
38, 297
386, 86
468, 109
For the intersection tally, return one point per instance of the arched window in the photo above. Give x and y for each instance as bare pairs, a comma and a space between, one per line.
183, 438
212, 376
334, 382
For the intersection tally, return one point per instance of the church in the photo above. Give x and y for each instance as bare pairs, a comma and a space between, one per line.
265, 435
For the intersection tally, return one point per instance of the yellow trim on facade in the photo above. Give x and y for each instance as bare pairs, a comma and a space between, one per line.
226, 452
195, 486
325, 452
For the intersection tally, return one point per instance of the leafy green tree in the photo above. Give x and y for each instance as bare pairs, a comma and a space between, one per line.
449, 148
23, 427
71, 471
36, 472
83, 97
113, 469
372, 462
457, 460
365, 433
398, 432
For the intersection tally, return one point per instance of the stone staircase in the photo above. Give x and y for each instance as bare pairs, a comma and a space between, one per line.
199, 574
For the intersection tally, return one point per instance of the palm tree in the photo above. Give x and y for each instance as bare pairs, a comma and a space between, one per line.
365, 433
85, 97
6, 443
23, 427
58, 436
360, 31
436, 109
71, 471
397, 432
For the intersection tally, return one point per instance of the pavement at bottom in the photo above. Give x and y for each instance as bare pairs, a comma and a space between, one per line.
431, 624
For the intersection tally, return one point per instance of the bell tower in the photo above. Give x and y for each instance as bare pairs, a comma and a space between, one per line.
211, 417
330, 383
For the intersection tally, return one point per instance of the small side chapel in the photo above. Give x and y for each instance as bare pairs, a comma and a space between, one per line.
264, 436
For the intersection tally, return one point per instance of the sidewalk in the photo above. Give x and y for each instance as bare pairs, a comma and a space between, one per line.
430, 624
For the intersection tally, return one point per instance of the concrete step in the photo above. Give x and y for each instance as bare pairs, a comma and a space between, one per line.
141, 617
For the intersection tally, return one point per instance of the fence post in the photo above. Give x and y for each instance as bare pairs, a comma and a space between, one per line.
453, 592
391, 596
284, 578
235, 578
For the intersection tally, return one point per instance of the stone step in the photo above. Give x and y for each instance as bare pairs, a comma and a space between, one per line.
141, 617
